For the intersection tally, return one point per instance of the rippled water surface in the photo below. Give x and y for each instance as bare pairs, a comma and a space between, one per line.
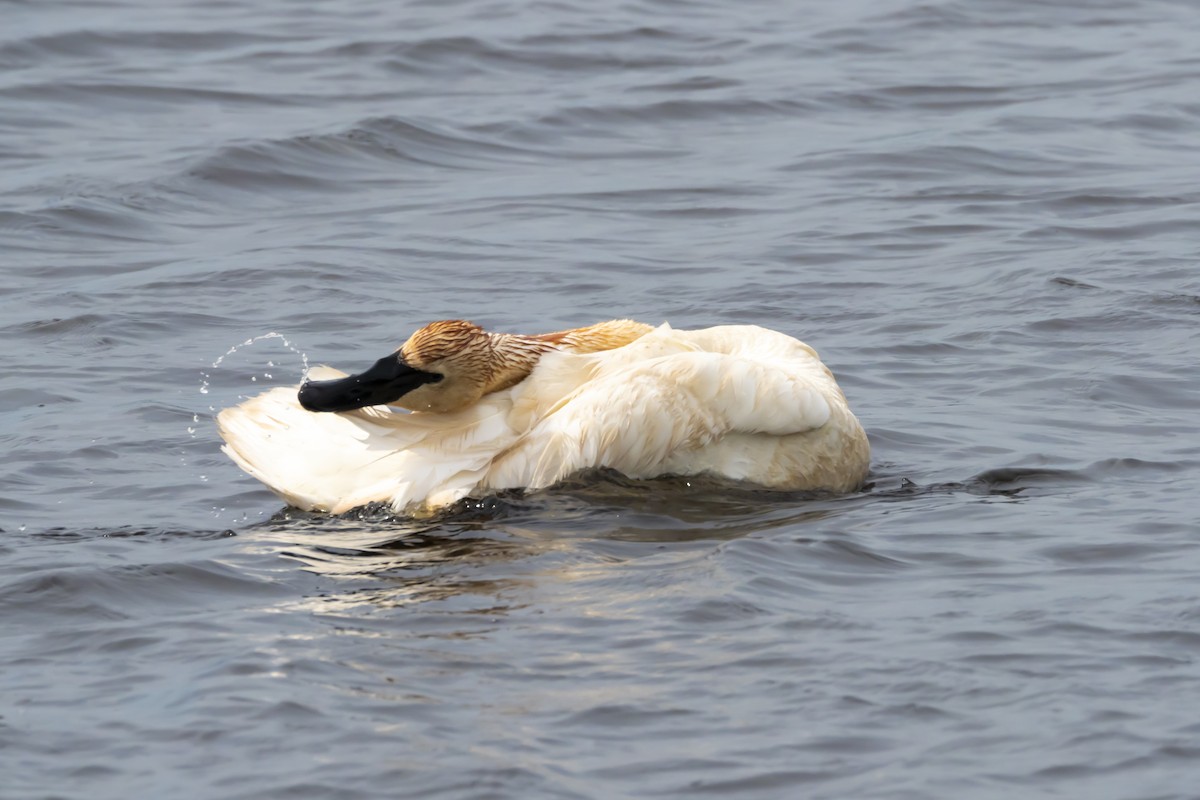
985, 215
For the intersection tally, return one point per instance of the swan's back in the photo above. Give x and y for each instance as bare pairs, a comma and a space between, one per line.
741, 402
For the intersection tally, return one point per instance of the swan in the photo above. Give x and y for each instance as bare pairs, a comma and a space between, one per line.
459, 411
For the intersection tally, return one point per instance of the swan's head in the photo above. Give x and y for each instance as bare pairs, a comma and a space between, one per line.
444, 366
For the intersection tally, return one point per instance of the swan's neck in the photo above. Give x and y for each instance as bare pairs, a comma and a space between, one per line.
594, 338
498, 361
514, 356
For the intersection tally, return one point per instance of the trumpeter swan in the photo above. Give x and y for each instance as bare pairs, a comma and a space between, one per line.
460, 411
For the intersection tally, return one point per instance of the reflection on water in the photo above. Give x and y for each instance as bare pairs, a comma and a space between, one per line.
592, 522
490, 549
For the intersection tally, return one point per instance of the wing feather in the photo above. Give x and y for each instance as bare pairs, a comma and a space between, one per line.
335, 462
635, 414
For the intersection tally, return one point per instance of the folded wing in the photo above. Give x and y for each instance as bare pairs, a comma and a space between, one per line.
644, 405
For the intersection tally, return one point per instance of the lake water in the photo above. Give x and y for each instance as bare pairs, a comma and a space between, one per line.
984, 215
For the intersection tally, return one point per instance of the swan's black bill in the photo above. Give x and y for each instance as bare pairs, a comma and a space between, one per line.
385, 382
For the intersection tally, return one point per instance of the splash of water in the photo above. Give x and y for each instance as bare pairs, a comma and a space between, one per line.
204, 376
267, 373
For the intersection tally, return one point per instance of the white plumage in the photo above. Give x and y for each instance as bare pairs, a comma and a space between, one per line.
741, 402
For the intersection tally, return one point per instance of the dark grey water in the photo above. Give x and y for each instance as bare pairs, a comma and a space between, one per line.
985, 215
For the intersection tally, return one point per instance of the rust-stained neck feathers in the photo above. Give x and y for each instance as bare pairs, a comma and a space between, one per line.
474, 362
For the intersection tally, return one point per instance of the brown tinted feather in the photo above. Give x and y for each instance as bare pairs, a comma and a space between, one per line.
439, 340
599, 337
474, 363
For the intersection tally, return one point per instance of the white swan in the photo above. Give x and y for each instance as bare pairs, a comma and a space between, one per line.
490, 411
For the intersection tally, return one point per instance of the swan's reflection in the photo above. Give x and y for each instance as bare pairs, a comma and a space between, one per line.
581, 543
378, 558
484, 554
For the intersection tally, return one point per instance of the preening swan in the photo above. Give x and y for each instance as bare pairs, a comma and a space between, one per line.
490, 411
